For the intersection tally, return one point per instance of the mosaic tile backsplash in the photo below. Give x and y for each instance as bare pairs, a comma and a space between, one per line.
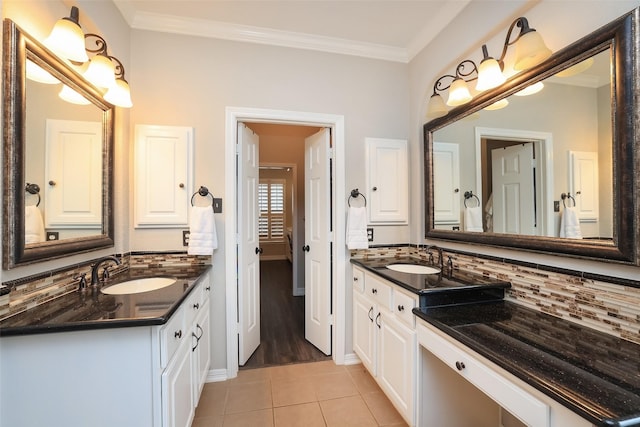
31, 291
610, 308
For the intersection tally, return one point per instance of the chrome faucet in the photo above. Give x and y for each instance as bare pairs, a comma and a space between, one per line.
440, 256
96, 266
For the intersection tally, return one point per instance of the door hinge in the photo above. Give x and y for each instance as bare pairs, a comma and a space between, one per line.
330, 152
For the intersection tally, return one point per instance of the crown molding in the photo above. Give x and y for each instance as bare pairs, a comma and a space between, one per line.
251, 34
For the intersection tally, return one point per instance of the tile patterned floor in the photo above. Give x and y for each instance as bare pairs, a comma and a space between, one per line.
307, 395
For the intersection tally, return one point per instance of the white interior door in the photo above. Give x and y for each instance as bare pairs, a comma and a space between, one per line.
317, 246
446, 190
513, 189
249, 244
583, 184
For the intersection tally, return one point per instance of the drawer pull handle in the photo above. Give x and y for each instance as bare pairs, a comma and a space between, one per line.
374, 291
460, 366
196, 305
370, 314
378, 323
401, 308
197, 341
177, 334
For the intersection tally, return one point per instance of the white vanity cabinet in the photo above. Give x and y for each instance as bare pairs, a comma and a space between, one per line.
384, 338
130, 376
460, 387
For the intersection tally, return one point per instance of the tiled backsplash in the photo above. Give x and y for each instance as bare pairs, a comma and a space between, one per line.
608, 307
30, 291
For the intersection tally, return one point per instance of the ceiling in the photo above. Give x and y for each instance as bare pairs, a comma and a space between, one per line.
394, 30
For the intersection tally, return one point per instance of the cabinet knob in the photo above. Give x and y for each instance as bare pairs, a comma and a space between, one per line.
178, 334
374, 291
375, 188
355, 279
460, 366
196, 306
208, 288
181, 185
401, 308
52, 183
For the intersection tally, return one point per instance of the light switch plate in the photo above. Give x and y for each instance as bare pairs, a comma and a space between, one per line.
185, 237
217, 205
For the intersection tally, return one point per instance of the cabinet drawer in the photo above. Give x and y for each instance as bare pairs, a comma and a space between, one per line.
378, 291
172, 334
499, 388
193, 304
402, 306
358, 280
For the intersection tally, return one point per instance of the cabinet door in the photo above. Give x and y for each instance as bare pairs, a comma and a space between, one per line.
177, 390
446, 195
363, 331
201, 352
387, 181
396, 363
163, 184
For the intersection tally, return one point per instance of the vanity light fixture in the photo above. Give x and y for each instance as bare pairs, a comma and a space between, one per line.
70, 95
119, 94
530, 50
66, 39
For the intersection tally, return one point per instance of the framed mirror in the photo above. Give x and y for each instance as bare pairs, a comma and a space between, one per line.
575, 146
58, 156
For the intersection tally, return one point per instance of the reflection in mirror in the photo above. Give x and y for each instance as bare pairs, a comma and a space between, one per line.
555, 171
555, 141
58, 156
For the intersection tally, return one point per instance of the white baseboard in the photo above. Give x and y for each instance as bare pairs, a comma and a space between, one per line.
217, 375
298, 292
351, 359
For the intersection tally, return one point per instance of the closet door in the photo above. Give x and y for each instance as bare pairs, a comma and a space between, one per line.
163, 169
446, 195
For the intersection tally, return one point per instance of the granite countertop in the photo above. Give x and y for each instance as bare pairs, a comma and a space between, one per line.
440, 288
93, 310
592, 373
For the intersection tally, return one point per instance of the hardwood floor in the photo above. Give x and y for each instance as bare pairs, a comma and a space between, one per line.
281, 321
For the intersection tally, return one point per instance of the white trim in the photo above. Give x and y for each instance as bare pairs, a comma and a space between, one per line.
216, 375
351, 359
250, 34
546, 159
233, 115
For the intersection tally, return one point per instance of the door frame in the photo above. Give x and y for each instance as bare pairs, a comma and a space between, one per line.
234, 115
541, 140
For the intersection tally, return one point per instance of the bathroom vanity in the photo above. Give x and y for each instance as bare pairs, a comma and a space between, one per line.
106, 360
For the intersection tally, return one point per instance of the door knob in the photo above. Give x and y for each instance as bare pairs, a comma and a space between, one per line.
258, 251
375, 188
305, 248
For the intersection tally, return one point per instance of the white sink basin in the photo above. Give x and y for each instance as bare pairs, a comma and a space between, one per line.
137, 286
413, 268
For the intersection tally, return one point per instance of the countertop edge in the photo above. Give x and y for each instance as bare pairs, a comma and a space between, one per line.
531, 379
104, 324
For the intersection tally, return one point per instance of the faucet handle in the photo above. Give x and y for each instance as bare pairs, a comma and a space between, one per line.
82, 284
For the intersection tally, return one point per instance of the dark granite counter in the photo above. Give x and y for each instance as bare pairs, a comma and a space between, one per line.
594, 374
447, 287
92, 309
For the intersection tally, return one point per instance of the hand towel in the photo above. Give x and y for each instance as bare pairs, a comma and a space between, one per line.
203, 238
357, 228
473, 219
33, 225
569, 224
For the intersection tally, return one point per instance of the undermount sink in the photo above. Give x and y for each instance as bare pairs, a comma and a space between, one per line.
413, 269
137, 286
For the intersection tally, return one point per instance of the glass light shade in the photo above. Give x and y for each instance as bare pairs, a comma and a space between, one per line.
38, 74
530, 50
101, 72
72, 96
67, 41
436, 107
498, 105
119, 95
576, 69
458, 93
489, 75
530, 90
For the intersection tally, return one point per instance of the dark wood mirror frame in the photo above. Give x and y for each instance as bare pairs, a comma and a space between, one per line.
622, 36
18, 46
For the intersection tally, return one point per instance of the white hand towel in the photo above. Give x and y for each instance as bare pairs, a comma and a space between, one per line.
33, 225
203, 238
569, 224
473, 219
357, 228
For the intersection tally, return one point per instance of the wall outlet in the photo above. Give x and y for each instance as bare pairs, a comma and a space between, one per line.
370, 234
185, 237
53, 235
217, 205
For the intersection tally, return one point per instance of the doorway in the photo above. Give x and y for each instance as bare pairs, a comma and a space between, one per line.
338, 251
